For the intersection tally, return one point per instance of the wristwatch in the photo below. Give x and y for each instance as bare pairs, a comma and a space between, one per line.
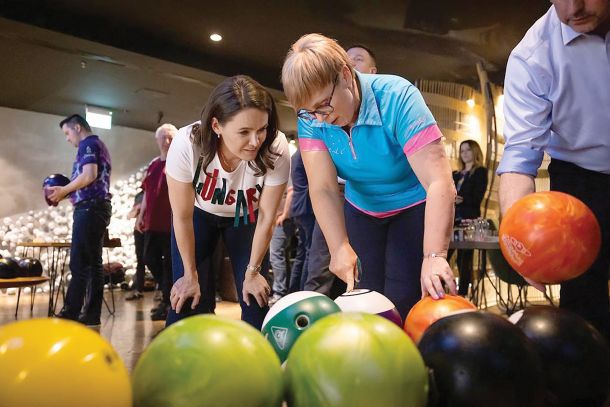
250, 269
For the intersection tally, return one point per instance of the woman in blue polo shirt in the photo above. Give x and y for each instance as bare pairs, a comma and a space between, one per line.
376, 132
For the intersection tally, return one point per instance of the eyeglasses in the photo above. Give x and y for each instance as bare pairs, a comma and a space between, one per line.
323, 110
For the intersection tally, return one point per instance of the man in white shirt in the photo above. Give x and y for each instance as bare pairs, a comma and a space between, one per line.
557, 100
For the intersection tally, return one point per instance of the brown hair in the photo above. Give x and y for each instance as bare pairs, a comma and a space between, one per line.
231, 96
478, 155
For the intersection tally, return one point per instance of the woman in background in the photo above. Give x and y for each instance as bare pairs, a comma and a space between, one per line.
471, 183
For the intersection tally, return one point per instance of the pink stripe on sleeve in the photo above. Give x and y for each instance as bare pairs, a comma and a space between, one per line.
422, 139
308, 144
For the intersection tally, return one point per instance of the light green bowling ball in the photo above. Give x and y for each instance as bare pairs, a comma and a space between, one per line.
354, 359
207, 360
292, 315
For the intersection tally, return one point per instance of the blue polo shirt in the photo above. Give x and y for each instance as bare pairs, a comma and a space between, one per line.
393, 123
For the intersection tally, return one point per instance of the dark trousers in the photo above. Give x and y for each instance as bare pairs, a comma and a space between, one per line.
157, 256
90, 220
319, 276
238, 242
138, 239
298, 273
391, 253
587, 295
464, 264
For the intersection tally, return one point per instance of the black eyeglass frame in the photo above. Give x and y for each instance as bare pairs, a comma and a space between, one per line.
323, 110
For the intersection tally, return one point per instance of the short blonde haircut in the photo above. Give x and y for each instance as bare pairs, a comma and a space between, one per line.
311, 64
170, 128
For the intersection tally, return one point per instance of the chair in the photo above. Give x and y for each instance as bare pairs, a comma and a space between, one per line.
504, 272
109, 244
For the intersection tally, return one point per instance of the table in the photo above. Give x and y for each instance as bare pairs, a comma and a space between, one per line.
478, 295
57, 255
56, 265
21, 282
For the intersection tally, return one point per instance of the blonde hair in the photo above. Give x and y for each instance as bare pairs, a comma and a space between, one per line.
170, 128
312, 63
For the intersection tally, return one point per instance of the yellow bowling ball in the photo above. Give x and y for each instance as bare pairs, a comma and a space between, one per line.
53, 362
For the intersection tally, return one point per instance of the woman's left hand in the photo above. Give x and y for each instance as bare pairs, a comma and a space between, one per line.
435, 271
256, 285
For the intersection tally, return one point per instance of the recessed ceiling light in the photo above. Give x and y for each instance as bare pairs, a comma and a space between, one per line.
470, 103
216, 37
98, 117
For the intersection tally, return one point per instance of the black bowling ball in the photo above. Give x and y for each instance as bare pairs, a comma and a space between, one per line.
30, 267
481, 359
575, 356
9, 268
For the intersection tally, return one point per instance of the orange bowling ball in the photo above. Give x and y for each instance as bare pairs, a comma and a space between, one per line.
550, 237
428, 310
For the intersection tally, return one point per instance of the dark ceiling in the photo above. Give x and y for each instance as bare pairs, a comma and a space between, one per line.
169, 39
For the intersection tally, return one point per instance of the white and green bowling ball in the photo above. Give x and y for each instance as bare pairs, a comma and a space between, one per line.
292, 315
369, 302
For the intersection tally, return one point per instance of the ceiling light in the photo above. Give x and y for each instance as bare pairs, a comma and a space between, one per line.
470, 103
98, 117
216, 37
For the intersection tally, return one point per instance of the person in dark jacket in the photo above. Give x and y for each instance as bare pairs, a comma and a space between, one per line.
471, 184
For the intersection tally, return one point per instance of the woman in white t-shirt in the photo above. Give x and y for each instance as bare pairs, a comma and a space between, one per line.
226, 175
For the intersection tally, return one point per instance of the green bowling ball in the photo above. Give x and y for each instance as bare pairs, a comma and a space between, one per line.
292, 315
353, 359
206, 360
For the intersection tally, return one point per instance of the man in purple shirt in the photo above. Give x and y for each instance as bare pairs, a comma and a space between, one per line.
90, 196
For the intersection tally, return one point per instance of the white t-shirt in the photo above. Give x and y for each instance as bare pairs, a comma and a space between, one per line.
219, 192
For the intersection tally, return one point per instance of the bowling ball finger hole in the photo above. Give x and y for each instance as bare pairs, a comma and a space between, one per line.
302, 321
108, 359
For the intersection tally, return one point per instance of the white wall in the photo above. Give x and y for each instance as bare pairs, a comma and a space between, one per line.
32, 146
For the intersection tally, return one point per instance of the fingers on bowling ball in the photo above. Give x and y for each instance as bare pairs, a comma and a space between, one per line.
53, 180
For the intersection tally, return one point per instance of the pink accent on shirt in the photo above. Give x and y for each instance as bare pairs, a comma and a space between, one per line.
381, 215
307, 144
422, 139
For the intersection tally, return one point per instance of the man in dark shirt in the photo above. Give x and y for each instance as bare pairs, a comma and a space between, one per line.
89, 193
303, 218
154, 220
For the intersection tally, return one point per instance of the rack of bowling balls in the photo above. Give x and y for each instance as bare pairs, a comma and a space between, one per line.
16, 267
313, 351
353, 351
